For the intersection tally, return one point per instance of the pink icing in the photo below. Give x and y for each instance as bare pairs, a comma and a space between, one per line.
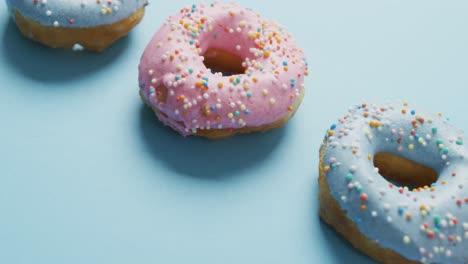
199, 99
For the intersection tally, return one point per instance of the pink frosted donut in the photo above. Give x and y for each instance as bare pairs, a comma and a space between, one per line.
262, 79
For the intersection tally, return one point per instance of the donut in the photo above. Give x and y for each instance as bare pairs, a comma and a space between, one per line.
215, 70
393, 180
92, 24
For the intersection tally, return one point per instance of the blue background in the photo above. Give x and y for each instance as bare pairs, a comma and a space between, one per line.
87, 174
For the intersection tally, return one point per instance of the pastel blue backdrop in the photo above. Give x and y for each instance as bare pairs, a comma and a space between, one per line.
87, 174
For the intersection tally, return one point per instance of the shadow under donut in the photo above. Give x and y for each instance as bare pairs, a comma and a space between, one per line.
202, 158
38, 62
340, 249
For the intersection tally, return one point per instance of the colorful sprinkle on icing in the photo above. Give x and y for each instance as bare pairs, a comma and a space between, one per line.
76, 13
428, 223
267, 90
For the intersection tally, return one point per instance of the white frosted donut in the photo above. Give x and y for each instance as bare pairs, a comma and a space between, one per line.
394, 182
62, 23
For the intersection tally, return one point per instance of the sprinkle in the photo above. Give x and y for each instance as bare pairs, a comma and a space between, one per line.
364, 197
400, 210
430, 234
406, 240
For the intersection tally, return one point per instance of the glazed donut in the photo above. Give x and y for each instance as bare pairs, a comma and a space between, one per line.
263, 81
393, 181
92, 24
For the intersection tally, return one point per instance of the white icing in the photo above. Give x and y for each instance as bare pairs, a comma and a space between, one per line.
433, 143
76, 13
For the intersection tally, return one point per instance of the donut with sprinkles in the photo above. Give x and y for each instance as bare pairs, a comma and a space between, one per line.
393, 181
214, 70
90, 24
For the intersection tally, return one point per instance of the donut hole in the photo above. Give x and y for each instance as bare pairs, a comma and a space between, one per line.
227, 63
403, 172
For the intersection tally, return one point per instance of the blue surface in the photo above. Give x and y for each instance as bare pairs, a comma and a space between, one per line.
87, 175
